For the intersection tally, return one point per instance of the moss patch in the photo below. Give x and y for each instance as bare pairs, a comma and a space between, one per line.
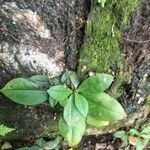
101, 49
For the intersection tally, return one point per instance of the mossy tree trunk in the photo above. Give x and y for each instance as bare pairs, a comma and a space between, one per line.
44, 36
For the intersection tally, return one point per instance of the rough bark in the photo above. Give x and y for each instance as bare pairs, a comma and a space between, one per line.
42, 36
136, 50
37, 37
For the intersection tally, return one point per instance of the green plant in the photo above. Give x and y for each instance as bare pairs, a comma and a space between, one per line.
137, 137
83, 103
102, 2
5, 130
41, 144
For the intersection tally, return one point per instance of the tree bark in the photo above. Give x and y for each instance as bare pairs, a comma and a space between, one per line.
37, 37
43, 37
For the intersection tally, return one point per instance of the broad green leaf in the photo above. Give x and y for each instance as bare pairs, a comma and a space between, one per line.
71, 114
105, 108
81, 104
23, 91
119, 134
73, 134
134, 132
30, 148
52, 102
59, 93
70, 77
139, 145
94, 85
5, 130
51, 144
96, 123
102, 2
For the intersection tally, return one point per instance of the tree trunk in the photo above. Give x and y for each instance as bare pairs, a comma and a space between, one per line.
43, 37
37, 37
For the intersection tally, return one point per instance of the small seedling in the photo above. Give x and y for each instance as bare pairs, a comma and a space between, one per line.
138, 138
83, 103
5, 130
41, 144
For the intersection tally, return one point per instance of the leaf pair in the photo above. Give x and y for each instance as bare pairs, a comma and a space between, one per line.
72, 124
41, 144
102, 107
75, 109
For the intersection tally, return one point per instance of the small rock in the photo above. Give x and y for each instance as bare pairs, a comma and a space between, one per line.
100, 146
6, 145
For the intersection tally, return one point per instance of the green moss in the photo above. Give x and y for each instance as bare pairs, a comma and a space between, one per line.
101, 49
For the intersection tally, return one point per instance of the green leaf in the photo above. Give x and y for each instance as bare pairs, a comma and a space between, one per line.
123, 136
119, 134
39, 142
40, 81
71, 114
73, 134
102, 2
55, 81
146, 130
145, 133
145, 136
30, 148
134, 132
70, 77
52, 102
125, 140
5, 130
23, 91
139, 145
40, 78
148, 100
59, 93
51, 144
81, 104
94, 85
96, 123
105, 108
